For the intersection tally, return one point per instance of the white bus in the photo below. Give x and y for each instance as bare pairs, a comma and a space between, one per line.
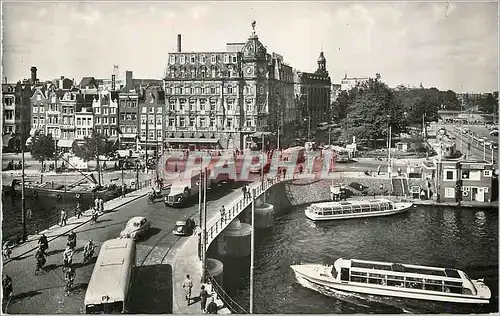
341, 154
108, 291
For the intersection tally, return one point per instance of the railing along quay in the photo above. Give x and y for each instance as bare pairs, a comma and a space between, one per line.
217, 225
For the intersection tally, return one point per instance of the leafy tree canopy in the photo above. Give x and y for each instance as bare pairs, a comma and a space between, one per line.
95, 145
488, 103
43, 148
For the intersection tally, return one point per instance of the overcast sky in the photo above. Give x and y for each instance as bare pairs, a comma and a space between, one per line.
446, 45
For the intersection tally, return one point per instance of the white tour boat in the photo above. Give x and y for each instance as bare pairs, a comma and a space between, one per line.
355, 209
394, 279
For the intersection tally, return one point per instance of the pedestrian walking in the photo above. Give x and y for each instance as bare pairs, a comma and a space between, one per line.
244, 190
95, 215
96, 203
71, 240
78, 210
212, 307
64, 217
101, 205
69, 276
187, 286
40, 260
378, 170
223, 213
203, 298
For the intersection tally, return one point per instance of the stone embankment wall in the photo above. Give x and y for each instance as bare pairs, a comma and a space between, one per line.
300, 192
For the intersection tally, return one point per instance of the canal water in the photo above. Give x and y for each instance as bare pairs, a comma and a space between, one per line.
465, 239
45, 212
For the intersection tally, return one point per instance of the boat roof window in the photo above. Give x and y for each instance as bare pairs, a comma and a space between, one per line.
357, 264
451, 273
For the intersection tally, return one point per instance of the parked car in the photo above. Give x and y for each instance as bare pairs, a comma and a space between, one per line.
136, 228
184, 228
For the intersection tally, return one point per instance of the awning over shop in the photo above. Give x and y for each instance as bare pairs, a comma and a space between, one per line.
193, 140
65, 143
6, 139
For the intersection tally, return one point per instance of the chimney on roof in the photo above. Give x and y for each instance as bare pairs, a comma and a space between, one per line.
33, 75
179, 43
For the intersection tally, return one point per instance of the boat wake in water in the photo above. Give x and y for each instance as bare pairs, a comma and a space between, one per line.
370, 302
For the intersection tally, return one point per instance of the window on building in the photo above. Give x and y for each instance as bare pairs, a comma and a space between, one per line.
203, 104
143, 133
192, 59
182, 121
230, 122
182, 59
226, 59
203, 58
112, 120
203, 72
144, 109
158, 110
193, 72
158, 120
487, 173
105, 120
192, 104
230, 90
212, 90
78, 121
171, 121
158, 133
213, 104
182, 104
35, 121
465, 174
151, 109
183, 72
188, 90
42, 110
79, 131
97, 110
449, 192
42, 121
261, 89
172, 59
212, 122
151, 120
38, 97
475, 175
230, 104
235, 58
143, 119
35, 109
192, 121
450, 175
202, 89
106, 131
151, 134
112, 110
98, 120
213, 59
168, 90
203, 122
122, 117
181, 90
214, 72
249, 122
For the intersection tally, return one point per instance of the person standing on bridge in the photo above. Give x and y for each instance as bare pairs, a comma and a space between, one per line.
187, 286
223, 214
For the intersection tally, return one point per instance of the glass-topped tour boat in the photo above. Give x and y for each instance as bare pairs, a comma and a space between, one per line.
355, 209
394, 279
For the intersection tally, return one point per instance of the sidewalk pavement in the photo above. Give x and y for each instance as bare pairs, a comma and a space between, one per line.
57, 231
186, 259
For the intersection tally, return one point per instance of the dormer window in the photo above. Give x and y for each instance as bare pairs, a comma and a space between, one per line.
226, 59
203, 59
182, 59
192, 59
213, 59
172, 59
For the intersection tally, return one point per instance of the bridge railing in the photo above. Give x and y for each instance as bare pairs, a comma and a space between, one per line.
231, 304
216, 226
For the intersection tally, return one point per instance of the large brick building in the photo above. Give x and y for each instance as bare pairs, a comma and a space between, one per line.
218, 99
152, 120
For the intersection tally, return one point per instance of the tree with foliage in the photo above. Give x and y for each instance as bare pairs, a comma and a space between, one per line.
43, 148
94, 146
488, 103
372, 108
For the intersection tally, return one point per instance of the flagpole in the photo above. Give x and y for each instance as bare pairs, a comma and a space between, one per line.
252, 252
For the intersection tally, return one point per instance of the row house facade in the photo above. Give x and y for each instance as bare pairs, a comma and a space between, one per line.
465, 180
84, 122
105, 108
16, 114
128, 109
222, 96
152, 118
